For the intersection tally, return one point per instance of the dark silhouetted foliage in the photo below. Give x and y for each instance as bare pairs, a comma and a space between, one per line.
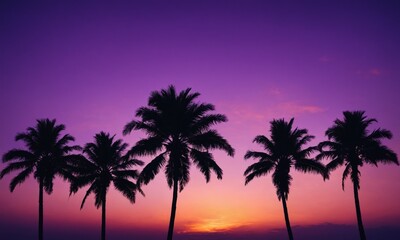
178, 134
283, 150
47, 155
105, 164
351, 144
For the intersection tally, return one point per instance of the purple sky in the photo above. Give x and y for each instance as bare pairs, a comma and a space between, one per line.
90, 65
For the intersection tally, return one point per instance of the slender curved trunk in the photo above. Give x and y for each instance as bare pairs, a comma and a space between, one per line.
103, 218
358, 212
40, 225
285, 211
173, 210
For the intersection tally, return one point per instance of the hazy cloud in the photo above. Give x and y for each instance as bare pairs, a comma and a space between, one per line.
375, 72
325, 59
372, 72
245, 113
296, 109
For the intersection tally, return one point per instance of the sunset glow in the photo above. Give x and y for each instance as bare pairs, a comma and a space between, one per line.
211, 225
91, 65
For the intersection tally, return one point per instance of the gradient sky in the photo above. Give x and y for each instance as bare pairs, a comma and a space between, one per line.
90, 65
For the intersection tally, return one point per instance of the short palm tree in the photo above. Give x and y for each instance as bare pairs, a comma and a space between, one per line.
283, 150
47, 155
178, 133
351, 144
105, 164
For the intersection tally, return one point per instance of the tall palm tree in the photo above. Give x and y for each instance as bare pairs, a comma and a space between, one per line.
105, 164
283, 150
179, 133
47, 155
351, 144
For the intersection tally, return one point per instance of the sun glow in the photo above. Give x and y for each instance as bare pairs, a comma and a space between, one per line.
212, 225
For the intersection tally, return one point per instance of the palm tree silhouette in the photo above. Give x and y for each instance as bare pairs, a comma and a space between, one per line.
105, 164
47, 155
283, 150
351, 144
178, 131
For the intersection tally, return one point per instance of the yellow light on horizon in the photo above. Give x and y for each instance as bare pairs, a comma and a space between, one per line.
212, 225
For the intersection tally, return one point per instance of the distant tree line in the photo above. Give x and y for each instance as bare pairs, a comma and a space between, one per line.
179, 133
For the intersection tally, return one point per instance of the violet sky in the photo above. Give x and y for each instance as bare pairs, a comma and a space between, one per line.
91, 64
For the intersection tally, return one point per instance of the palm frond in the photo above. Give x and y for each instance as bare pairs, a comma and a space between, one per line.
81, 181
305, 152
205, 122
20, 178
380, 133
375, 153
126, 187
184, 175
147, 114
127, 163
64, 140
346, 172
211, 140
304, 139
328, 144
258, 155
205, 163
16, 166
151, 169
265, 142
201, 110
68, 149
177, 168
258, 169
88, 192
129, 127
335, 163
282, 181
311, 166
147, 146
326, 155
134, 174
48, 183
18, 154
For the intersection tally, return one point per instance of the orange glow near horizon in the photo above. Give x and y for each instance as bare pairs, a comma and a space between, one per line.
212, 225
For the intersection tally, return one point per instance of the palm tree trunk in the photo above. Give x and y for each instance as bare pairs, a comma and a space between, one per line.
285, 211
358, 212
40, 225
173, 210
103, 218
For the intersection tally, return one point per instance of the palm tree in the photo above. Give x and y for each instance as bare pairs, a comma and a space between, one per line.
283, 150
351, 144
105, 164
47, 155
178, 133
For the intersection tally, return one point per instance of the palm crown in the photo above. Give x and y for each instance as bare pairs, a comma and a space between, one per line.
105, 164
46, 156
352, 144
179, 130
283, 150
